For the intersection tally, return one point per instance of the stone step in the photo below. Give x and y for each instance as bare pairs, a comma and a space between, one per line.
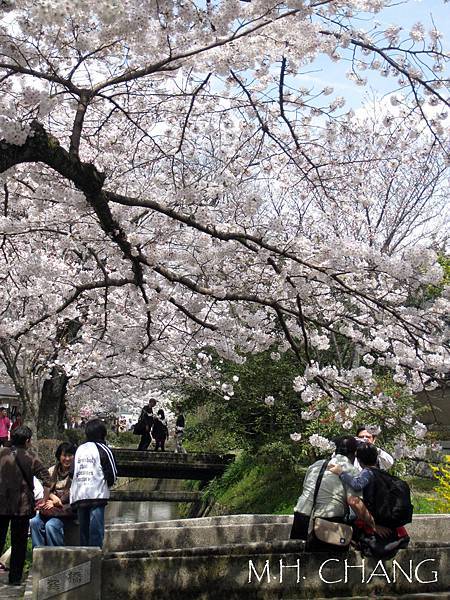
8, 592
274, 571
234, 529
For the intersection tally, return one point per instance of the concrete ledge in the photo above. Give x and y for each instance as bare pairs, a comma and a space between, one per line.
255, 548
228, 558
235, 529
207, 521
275, 572
189, 537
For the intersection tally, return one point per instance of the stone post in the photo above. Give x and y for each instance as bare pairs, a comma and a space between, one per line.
67, 573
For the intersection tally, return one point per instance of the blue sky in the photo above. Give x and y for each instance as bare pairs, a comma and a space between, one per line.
324, 71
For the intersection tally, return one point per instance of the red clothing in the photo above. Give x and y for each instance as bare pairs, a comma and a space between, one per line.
401, 531
17, 423
5, 424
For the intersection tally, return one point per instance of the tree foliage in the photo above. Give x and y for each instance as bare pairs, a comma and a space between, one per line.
169, 185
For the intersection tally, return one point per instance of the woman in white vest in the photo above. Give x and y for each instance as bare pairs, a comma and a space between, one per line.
95, 472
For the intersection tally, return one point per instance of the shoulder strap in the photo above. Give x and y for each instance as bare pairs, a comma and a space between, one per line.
318, 482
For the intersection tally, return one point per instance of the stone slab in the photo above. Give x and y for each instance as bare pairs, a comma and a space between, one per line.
232, 529
275, 573
189, 537
67, 573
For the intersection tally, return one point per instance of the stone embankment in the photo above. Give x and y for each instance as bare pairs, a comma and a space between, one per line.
242, 557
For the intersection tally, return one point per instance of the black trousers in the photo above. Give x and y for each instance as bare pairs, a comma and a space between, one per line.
19, 537
145, 441
300, 525
159, 443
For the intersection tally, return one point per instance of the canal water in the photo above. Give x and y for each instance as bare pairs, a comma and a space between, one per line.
138, 512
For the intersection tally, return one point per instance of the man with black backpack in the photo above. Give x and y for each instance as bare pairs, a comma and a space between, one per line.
388, 500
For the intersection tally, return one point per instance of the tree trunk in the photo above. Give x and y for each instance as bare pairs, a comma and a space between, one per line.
52, 407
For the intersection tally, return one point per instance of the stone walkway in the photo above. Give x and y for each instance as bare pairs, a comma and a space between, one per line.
9, 591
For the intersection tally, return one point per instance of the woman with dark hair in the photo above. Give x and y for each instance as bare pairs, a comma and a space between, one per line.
47, 527
17, 467
160, 432
95, 472
332, 500
146, 420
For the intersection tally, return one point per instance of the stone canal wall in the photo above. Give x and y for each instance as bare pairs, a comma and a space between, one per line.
239, 557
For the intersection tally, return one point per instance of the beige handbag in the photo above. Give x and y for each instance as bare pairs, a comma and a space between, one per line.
328, 532
336, 534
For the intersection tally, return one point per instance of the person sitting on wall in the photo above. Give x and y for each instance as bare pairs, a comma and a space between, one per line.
47, 527
366, 481
332, 501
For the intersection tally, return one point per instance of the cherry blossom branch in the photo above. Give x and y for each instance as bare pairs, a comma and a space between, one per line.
78, 291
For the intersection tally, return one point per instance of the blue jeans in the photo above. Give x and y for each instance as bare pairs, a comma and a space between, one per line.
48, 532
92, 525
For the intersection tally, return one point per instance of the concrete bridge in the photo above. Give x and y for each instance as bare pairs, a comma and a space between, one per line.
170, 465
238, 557
154, 496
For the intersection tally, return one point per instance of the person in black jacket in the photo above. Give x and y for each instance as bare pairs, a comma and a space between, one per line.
146, 417
160, 431
179, 433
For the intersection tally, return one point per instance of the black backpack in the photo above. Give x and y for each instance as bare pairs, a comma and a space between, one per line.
388, 499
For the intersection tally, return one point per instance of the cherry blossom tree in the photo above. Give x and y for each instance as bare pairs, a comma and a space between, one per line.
169, 186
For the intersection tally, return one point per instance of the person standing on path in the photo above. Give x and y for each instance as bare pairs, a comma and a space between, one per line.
18, 422
179, 434
5, 426
160, 431
17, 467
146, 417
95, 471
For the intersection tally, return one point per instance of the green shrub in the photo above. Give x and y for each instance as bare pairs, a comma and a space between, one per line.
124, 439
75, 436
45, 449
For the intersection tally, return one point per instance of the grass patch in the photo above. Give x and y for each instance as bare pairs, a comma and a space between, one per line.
249, 487
423, 495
